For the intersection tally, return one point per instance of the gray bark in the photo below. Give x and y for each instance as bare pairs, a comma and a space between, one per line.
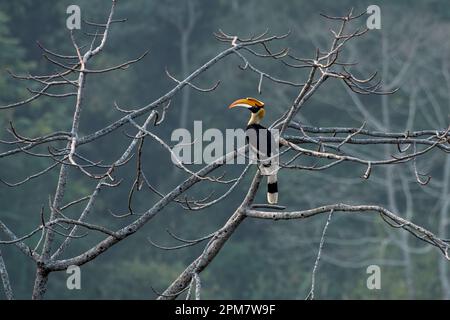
5, 279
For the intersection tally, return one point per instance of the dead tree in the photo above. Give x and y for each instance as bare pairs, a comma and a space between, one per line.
400, 57
322, 144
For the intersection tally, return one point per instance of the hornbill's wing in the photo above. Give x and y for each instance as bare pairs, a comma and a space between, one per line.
263, 147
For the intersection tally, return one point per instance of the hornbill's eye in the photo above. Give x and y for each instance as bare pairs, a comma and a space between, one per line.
254, 109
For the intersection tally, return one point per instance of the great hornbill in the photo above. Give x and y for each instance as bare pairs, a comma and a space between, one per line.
263, 144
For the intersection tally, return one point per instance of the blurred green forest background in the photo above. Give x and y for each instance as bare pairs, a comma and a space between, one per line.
263, 259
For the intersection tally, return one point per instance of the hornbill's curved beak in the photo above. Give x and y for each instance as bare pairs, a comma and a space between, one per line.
240, 103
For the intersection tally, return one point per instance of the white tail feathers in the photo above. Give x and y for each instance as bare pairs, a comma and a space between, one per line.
272, 189
272, 198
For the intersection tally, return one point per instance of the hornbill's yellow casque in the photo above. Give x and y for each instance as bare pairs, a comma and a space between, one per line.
263, 143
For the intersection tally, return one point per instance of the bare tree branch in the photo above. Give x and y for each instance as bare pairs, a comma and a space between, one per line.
5, 279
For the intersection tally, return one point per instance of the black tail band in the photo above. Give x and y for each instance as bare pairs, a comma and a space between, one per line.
272, 187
